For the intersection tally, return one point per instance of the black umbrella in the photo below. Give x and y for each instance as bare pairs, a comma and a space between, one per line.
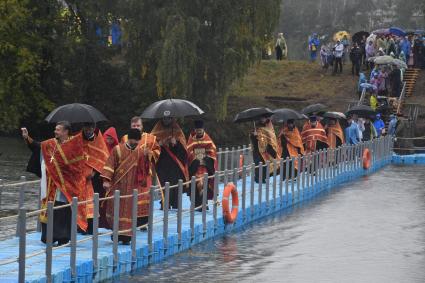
334, 115
174, 108
358, 36
361, 111
285, 114
76, 113
252, 114
314, 109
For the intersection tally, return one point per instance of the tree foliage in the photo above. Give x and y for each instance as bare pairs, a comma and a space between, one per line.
55, 52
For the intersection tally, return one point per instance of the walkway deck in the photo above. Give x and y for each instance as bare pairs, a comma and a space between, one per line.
35, 266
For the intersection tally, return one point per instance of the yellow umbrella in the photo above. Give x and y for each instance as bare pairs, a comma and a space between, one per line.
340, 35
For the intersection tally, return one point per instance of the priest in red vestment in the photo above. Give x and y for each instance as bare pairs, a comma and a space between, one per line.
126, 169
59, 162
202, 158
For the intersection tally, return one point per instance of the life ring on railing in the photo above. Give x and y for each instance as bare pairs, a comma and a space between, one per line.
366, 159
230, 217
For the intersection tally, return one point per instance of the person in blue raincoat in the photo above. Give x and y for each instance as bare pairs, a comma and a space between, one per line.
352, 135
379, 125
313, 46
362, 79
405, 47
392, 126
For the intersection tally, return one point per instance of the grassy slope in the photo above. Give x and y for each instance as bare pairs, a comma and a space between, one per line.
301, 80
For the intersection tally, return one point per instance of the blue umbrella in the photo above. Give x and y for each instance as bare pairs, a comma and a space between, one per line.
397, 31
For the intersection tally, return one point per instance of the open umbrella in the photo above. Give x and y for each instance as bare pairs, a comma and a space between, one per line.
334, 115
383, 60
314, 109
76, 113
410, 32
383, 31
340, 35
358, 36
399, 63
285, 114
174, 108
368, 86
419, 32
362, 111
397, 31
252, 114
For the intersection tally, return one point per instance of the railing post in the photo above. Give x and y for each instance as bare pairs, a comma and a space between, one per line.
235, 176
313, 172
134, 206
281, 162
306, 181
115, 226
298, 176
73, 258
260, 184
219, 159
165, 218
267, 183
232, 160
49, 241
287, 160
21, 201
38, 206
292, 179
204, 205
22, 244
226, 159
274, 181
179, 212
95, 241
251, 198
1, 189
304, 165
150, 220
244, 172
216, 182
192, 207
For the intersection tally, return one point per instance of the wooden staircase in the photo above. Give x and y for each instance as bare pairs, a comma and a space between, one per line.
410, 77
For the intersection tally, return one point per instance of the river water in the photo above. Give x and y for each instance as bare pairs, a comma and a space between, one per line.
14, 156
372, 230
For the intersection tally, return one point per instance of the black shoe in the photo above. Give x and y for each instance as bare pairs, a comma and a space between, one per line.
63, 242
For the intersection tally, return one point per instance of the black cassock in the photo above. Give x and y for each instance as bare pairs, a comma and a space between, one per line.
285, 154
193, 168
168, 170
258, 158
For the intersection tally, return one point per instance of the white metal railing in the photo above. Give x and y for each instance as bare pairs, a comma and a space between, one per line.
401, 98
295, 176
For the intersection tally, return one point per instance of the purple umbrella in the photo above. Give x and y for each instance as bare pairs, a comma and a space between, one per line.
383, 31
397, 31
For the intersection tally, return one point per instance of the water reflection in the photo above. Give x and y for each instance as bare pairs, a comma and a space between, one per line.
368, 231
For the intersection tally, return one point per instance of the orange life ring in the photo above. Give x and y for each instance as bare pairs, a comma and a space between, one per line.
366, 159
230, 217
